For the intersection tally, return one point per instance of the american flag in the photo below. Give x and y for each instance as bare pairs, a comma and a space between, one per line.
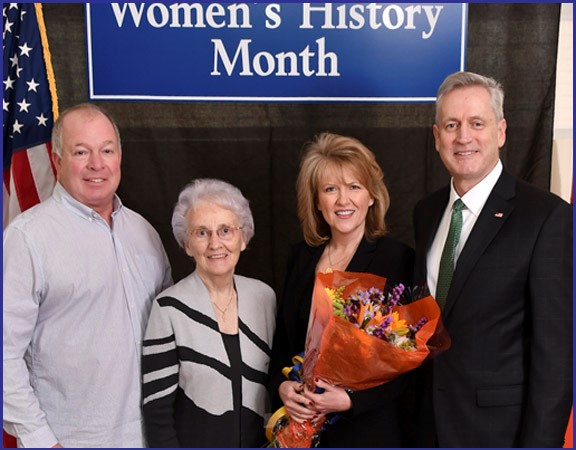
30, 106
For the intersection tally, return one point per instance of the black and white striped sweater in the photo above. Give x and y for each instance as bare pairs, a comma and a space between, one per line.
187, 377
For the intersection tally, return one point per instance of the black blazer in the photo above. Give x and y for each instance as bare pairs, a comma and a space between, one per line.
373, 421
507, 379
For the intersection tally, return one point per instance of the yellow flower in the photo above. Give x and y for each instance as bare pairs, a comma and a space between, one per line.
331, 293
398, 325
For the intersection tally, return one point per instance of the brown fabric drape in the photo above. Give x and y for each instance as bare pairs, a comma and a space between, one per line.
257, 146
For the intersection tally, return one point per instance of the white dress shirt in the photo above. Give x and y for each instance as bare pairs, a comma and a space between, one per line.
474, 200
77, 294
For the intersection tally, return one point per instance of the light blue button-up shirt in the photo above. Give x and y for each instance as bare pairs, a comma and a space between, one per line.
77, 294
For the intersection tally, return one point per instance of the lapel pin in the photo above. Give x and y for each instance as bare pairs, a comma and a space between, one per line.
499, 215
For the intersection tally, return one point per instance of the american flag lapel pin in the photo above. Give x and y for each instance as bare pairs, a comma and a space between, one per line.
499, 215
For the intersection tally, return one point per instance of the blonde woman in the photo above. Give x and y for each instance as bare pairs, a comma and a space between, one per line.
342, 202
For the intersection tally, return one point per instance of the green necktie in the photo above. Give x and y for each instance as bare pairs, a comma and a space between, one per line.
447, 259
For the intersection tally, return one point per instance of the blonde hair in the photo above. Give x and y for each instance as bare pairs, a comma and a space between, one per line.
328, 151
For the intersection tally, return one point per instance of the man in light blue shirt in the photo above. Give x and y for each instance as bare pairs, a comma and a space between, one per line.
80, 272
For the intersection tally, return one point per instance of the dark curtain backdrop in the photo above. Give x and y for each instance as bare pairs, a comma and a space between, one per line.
257, 146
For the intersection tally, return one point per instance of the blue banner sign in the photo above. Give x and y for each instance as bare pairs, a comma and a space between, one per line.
296, 52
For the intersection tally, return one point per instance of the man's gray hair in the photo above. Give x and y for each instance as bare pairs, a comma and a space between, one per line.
466, 79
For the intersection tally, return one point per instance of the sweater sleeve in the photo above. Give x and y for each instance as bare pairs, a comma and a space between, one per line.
160, 370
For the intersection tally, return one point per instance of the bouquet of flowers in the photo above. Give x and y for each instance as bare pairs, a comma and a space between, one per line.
281, 431
357, 314
361, 334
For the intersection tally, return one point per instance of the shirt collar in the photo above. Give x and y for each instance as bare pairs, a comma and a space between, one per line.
476, 197
61, 195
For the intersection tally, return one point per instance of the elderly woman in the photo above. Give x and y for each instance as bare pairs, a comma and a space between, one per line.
342, 201
208, 341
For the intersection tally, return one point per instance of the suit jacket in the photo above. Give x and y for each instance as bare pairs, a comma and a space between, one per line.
507, 379
373, 421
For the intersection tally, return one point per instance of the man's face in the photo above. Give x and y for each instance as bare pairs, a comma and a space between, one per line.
89, 168
468, 136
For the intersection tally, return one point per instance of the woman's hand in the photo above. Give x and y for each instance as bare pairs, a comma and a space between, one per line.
298, 406
333, 399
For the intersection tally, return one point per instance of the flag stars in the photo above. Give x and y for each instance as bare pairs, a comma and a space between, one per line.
17, 127
27, 103
9, 83
32, 85
25, 50
27, 118
42, 120
23, 105
7, 28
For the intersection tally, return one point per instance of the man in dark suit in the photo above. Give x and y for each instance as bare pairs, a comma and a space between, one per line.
506, 381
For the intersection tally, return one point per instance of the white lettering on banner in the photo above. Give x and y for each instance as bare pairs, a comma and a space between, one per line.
180, 15
281, 64
326, 16
273, 19
341, 52
374, 15
119, 13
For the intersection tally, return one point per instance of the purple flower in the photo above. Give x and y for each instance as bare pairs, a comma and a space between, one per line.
396, 294
351, 310
379, 303
380, 331
415, 328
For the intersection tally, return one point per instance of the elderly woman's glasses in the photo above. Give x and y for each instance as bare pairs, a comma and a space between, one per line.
225, 233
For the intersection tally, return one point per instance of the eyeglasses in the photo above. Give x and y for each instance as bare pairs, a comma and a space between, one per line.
225, 233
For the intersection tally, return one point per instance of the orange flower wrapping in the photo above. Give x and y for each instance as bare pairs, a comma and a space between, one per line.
286, 433
344, 355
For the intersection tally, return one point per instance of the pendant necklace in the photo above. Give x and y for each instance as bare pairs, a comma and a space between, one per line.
337, 262
225, 310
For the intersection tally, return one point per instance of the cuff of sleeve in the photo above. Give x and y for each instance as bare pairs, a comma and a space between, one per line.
41, 438
349, 413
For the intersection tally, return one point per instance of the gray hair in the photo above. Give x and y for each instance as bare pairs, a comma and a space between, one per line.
90, 108
467, 79
210, 190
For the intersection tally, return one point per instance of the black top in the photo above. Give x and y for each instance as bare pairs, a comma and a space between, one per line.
374, 418
232, 344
